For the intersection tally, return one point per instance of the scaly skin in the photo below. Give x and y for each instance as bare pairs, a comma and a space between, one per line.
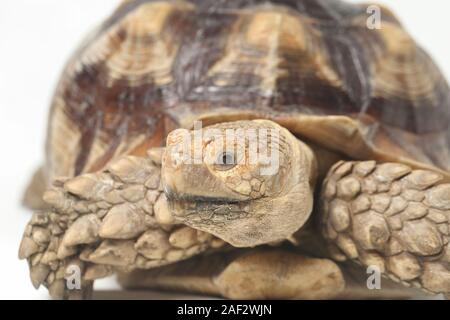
116, 219
390, 216
240, 202
119, 219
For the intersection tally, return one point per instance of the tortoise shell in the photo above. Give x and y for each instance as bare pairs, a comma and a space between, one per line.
312, 66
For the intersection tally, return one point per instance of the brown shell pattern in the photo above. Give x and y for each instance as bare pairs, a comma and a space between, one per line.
157, 65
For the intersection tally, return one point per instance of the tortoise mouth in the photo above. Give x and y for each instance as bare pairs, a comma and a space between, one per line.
171, 195
185, 197
197, 210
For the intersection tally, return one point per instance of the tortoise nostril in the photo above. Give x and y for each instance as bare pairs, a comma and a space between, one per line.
177, 153
178, 136
174, 159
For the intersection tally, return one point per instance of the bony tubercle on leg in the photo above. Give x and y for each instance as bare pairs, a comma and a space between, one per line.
142, 213
113, 219
391, 216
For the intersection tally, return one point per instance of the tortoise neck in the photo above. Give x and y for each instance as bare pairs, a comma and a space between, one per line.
324, 159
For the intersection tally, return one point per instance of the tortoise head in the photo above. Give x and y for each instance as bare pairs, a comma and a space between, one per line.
246, 182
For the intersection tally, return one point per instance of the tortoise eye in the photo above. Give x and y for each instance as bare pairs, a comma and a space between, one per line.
225, 161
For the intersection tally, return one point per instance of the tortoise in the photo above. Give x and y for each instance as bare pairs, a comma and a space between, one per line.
355, 119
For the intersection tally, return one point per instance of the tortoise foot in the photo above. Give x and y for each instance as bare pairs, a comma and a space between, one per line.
391, 217
98, 223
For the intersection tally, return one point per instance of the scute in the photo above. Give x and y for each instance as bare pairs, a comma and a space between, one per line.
311, 65
112, 90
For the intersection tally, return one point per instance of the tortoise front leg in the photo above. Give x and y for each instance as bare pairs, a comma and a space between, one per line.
392, 217
263, 273
115, 219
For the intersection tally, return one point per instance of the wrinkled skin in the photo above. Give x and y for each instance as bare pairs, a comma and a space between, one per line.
134, 215
236, 201
314, 68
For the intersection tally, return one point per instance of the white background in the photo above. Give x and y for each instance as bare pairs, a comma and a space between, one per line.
36, 38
